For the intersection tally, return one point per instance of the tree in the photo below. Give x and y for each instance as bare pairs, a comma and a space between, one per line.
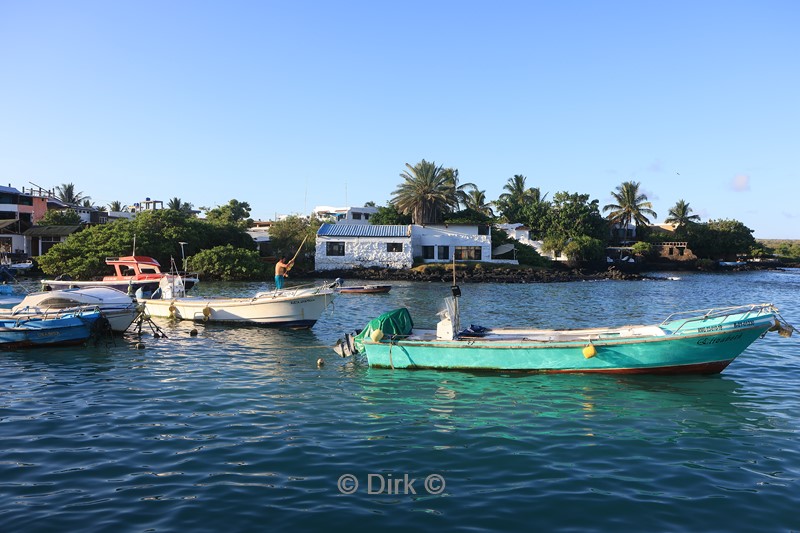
388, 215
572, 216
55, 217
229, 264
681, 215
720, 239
511, 204
476, 200
234, 212
115, 206
178, 205
631, 206
427, 192
67, 194
156, 233
295, 235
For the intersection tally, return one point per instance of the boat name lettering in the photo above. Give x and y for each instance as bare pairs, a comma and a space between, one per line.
719, 340
709, 328
302, 301
744, 324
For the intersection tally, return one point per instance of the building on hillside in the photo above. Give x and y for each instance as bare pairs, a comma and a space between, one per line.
344, 215
345, 246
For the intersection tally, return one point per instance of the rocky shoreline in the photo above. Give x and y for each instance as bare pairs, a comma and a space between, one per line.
497, 275
519, 275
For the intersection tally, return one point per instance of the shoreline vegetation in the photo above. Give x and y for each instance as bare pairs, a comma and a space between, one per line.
484, 273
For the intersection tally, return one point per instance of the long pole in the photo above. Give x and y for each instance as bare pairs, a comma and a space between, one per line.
298, 251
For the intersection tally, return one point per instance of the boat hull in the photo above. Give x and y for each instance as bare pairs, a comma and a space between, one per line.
117, 307
34, 332
367, 289
300, 311
705, 347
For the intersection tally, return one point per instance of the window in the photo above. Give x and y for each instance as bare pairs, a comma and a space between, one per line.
427, 252
356, 216
394, 246
444, 252
483, 229
468, 253
334, 248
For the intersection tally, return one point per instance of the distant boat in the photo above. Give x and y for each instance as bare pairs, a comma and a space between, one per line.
701, 342
117, 307
295, 307
365, 289
131, 273
62, 330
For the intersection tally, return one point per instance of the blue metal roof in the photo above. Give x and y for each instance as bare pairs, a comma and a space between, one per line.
362, 230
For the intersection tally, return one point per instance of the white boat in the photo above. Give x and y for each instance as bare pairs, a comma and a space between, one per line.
116, 306
295, 307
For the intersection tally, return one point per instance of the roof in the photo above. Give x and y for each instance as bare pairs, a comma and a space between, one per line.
9, 190
51, 231
363, 230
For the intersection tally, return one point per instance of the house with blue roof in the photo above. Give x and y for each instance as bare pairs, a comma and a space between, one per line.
346, 246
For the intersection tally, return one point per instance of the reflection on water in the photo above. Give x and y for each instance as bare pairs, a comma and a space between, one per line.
238, 428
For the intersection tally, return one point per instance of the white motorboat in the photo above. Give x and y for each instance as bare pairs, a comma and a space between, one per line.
295, 307
116, 306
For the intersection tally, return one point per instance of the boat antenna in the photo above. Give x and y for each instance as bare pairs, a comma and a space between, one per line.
134, 244
456, 290
183, 256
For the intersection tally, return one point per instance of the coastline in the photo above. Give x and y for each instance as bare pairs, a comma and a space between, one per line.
477, 274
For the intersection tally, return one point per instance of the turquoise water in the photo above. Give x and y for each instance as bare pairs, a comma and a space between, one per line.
237, 429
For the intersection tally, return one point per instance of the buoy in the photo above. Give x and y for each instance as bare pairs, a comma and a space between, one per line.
193, 332
140, 346
376, 335
206, 313
320, 362
172, 310
589, 351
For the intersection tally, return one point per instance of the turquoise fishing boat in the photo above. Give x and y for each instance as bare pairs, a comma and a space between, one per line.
693, 342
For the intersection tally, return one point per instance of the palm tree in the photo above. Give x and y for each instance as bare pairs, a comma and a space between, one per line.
67, 194
116, 206
631, 206
179, 205
476, 200
681, 215
511, 203
428, 191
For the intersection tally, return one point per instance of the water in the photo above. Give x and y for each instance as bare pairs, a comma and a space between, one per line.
237, 429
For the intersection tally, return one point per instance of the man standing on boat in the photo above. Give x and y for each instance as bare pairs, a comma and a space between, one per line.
281, 271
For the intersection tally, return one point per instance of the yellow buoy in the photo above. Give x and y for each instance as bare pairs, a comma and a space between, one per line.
172, 310
206, 313
376, 335
320, 362
589, 351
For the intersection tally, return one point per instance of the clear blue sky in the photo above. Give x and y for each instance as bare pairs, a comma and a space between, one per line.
288, 105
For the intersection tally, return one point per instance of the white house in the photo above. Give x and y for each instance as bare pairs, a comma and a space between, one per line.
344, 246
462, 242
344, 215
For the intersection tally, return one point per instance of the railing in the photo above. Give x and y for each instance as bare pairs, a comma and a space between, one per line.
705, 314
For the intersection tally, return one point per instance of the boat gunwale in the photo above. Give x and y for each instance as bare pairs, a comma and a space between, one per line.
480, 343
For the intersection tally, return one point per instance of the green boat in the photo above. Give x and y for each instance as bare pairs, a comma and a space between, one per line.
692, 342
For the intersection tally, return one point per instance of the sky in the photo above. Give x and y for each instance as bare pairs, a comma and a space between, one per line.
294, 104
